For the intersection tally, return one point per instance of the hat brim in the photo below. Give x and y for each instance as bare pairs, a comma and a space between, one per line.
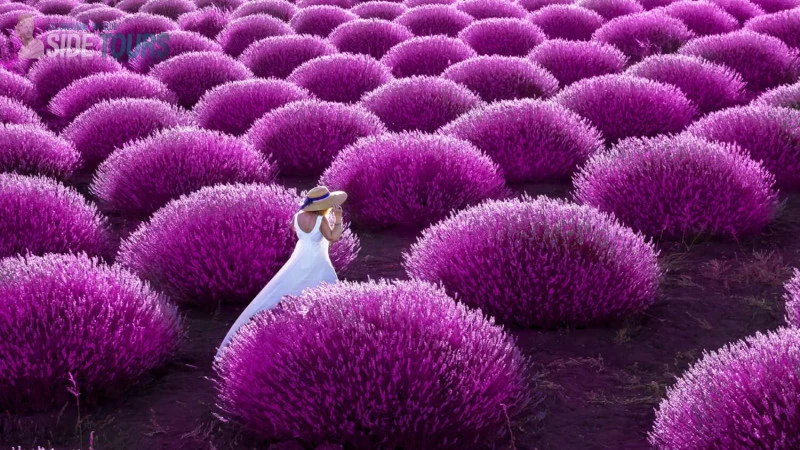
336, 198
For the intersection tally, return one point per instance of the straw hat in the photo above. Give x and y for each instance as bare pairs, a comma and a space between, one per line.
320, 199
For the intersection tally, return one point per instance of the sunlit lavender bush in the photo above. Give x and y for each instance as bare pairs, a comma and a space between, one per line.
82, 94
532, 141
611, 9
496, 78
228, 5
341, 77
763, 61
279, 9
571, 61
702, 17
740, 397
773, 6
191, 74
278, 56
535, 5
786, 96
320, 20
145, 175
792, 297
467, 376
431, 20
784, 25
100, 16
207, 22
221, 244
112, 123
417, 178
539, 262
303, 137
505, 37
179, 42
346, 4
17, 87
171, 9
32, 150
710, 86
680, 187
61, 7
130, 6
488, 9
742, 10
379, 9
644, 34
56, 70
770, 135
42, 216
240, 33
373, 37
15, 112
569, 22
622, 106
420, 103
233, 107
141, 24
428, 55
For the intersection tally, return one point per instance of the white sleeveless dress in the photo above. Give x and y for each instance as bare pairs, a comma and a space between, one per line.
309, 266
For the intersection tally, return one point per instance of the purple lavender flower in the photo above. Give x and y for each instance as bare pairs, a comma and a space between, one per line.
32, 150
191, 74
151, 52
373, 37
100, 16
277, 57
571, 61
378, 9
15, 112
643, 34
143, 23
535, 5
792, 297
226, 5
171, 9
784, 25
786, 96
342, 77
207, 21
431, 20
488, 9
345, 4
56, 7
569, 22
56, 70
429, 55
17, 87
320, 20
505, 37
279, 9
741, 9
773, 6
240, 33
611, 9
497, 78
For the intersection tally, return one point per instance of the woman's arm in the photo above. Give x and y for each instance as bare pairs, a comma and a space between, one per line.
335, 233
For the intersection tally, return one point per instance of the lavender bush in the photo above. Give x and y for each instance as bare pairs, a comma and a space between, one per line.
371, 37
143, 23
277, 57
569, 22
130, 6
770, 135
171, 9
342, 77
429, 55
233, 107
221, 243
145, 175
773, 6
346, 4
207, 22
623, 106
643, 34
702, 17
320, 20
496, 78
178, 43
505, 37
611, 9
240, 33
539, 262
741, 9
304, 137
419, 178
378, 9
466, 376
59, 7
17, 87
680, 187
420, 103
489, 9
42, 216
191, 74
431, 20
15, 112
792, 297
784, 25
32, 150
786, 96
55, 71
227, 5
535, 5
279, 9
571, 61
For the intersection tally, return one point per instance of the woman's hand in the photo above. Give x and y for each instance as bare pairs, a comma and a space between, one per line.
337, 212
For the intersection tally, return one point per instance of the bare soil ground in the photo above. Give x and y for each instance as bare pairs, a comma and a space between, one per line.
601, 384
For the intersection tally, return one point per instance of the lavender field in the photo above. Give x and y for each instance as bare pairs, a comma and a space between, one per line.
571, 224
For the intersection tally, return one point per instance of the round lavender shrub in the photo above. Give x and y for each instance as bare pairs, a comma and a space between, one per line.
171, 9
771, 135
346, 4
320, 20
378, 9
191, 74
416, 3
784, 25
571, 61
702, 17
42, 216
496, 78
226, 5
710, 86
428, 55
611, 9
145, 175
130, 6
655, 4
55, 22
83, 7
207, 22
279, 9
29, 150
17, 87
644, 34
488, 9
792, 297
151, 52
82, 94
112, 123
373, 37
431, 20
18, 7
100, 16
419, 178
59, 7
531, 141
743, 396
233, 107
304, 136
680, 187
342, 77
786, 96
420, 103
505, 37
539, 262
15, 112
624, 106
535, 5
467, 372
743, 10
763, 61
143, 23
569, 22
773, 6
221, 243
240, 33
55, 71
278, 57
70, 320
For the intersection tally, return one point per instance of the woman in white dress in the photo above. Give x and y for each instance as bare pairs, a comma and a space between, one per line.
310, 264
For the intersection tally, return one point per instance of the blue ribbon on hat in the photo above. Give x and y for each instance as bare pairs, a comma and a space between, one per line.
310, 200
